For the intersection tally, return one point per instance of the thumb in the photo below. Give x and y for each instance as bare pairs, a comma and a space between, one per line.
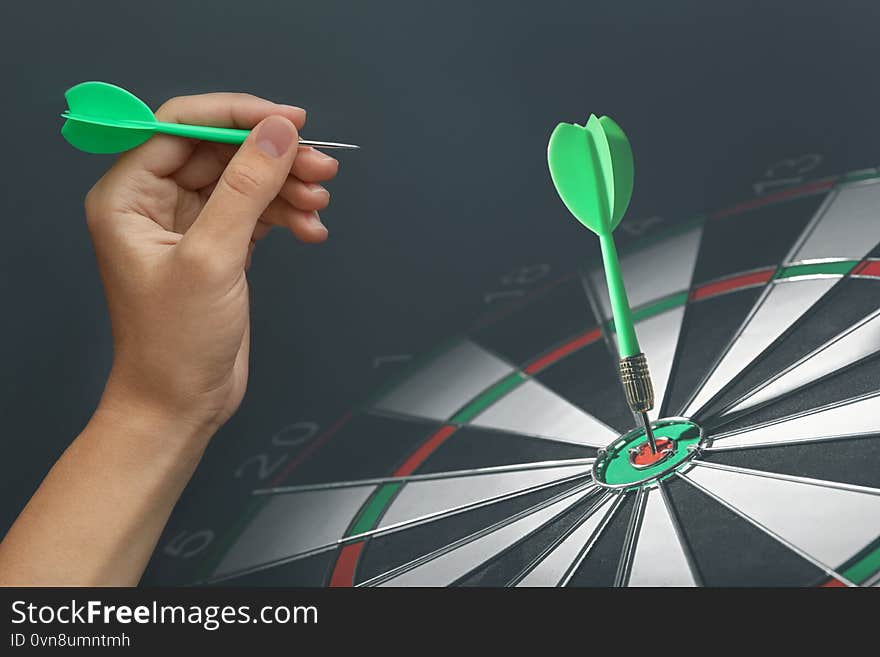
253, 177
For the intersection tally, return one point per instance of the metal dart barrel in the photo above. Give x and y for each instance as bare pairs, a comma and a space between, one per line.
639, 390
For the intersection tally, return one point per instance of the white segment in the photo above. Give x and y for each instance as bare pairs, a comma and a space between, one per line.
829, 524
782, 306
658, 270
533, 410
292, 524
857, 342
423, 498
857, 417
659, 559
849, 228
552, 568
447, 383
447, 568
658, 337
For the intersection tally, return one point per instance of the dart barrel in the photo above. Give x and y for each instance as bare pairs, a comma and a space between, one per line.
636, 381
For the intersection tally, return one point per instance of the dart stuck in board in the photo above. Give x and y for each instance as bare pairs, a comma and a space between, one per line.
592, 169
104, 118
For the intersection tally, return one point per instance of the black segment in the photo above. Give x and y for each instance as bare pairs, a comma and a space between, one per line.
840, 460
510, 564
845, 384
844, 305
384, 553
730, 551
367, 446
588, 379
471, 448
309, 571
729, 244
708, 327
599, 568
532, 328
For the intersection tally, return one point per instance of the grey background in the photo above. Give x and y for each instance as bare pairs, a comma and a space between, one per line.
453, 103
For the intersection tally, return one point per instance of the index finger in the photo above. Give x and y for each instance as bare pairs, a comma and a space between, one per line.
161, 155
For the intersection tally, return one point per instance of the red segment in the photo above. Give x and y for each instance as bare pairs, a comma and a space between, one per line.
868, 268
816, 186
732, 283
424, 451
343, 571
563, 351
308, 451
833, 583
644, 457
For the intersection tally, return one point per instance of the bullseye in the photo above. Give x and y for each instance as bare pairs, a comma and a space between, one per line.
629, 462
643, 456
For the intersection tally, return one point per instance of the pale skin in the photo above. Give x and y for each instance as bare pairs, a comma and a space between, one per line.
174, 224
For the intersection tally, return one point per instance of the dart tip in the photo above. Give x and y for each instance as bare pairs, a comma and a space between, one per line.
649, 432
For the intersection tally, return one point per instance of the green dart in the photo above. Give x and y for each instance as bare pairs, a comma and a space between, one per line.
592, 169
104, 118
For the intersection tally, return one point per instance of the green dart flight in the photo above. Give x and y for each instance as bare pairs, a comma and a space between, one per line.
104, 118
592, 168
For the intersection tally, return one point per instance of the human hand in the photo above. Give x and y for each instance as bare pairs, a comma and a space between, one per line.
174, 223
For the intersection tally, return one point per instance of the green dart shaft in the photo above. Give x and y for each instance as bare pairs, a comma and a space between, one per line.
228, 135
627, 342
203, 132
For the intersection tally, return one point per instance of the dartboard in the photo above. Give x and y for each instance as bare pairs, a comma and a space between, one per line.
507, 456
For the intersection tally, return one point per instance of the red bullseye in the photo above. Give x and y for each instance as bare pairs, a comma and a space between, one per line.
642, 456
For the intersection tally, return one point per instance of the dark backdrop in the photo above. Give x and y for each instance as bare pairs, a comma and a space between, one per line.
453, 103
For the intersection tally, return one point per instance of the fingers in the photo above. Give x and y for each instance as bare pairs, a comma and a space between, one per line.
162, 154
204, 166
248, 184
208, 161
305, 196
304, 224
314, 166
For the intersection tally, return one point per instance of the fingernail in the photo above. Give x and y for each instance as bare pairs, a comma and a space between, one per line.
324, 156
295, 108
317, 189
274, 136
315, 220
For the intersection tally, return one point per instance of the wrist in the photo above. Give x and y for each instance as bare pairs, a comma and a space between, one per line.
152, 423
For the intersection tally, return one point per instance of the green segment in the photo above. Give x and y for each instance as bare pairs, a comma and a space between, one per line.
592, 169
655, 308
488, 397
839, 268
864, 567
615, 468
372, 510
856, 176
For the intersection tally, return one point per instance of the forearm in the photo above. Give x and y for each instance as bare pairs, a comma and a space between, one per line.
97, 515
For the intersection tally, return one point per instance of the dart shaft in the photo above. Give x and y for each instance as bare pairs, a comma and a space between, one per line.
229, 135
627, 342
